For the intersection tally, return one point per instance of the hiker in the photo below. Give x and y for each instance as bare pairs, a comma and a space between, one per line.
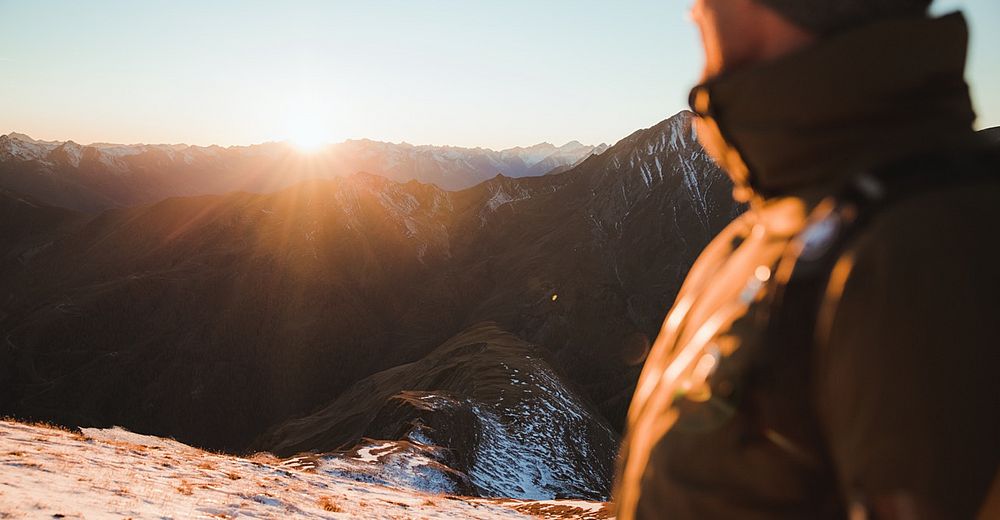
831, 353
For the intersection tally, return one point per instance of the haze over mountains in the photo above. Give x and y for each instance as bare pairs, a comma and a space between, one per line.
101, 176
496, 330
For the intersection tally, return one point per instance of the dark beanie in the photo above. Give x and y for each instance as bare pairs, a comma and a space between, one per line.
829, 16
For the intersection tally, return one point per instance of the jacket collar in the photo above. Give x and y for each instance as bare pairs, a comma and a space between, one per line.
852, 102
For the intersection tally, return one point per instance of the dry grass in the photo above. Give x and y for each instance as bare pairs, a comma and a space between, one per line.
47, 425
232, 475
185, 488
327, 504
73, 432
263, 457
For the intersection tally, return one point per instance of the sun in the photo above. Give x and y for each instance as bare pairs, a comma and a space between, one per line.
308, 129
308, 142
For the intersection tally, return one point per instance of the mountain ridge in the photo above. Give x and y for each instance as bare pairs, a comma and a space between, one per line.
98, 176
480, 404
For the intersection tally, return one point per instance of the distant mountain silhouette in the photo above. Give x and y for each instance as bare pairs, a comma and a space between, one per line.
101, 176
214, 318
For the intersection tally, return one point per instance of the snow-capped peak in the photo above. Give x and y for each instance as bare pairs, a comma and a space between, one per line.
68, 152
21, 147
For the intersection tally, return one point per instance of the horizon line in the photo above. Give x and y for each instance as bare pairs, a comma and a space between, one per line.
291, 142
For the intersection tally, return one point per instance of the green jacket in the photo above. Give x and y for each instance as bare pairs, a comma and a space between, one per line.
877, 392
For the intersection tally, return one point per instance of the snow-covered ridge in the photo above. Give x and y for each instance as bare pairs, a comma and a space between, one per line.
96, 474
482, 414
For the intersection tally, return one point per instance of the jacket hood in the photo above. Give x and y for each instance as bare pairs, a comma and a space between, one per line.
848, 103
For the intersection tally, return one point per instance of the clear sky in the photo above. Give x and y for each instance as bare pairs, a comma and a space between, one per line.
494, 73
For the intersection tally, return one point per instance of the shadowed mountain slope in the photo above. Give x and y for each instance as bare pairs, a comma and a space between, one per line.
28, 226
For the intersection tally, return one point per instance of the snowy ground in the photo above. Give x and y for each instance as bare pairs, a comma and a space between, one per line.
51, 473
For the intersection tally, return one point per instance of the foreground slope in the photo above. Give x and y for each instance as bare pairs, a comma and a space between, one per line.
116, 474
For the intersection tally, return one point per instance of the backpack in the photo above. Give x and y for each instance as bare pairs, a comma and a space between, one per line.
797, 292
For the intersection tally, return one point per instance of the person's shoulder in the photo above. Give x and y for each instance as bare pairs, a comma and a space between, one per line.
931, 249
964, 215
921, 273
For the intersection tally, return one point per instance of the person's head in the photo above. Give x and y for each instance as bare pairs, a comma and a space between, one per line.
736, 33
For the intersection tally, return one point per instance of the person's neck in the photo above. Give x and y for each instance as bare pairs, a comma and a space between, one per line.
779, 38
773, 38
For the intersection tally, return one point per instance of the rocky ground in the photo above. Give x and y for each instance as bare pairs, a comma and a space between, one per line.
54, 473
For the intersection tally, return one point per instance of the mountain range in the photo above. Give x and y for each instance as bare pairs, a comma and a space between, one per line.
496, 331
100, 176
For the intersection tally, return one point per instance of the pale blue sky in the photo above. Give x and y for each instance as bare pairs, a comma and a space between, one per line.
495, 73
